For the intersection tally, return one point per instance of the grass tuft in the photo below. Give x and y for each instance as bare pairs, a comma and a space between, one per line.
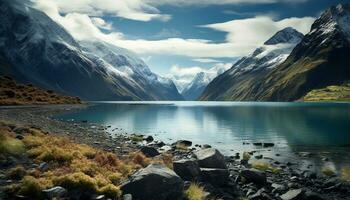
345, 174
10, 146
195, 192
328, 171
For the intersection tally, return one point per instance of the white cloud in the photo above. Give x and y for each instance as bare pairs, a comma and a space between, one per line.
206, 60
216, 2
258, 29
129, 9
243, 36
101, 23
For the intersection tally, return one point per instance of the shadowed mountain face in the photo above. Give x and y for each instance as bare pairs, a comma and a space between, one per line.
38, 50
321, 59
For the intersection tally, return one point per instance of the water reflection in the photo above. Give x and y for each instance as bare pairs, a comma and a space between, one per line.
293, 127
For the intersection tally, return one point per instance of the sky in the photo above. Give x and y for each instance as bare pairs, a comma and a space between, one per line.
184, 37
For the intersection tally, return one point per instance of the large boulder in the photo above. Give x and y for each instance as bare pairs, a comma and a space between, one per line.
210, 158
216, 177
254, 176
149, 151
187, 169
154, 182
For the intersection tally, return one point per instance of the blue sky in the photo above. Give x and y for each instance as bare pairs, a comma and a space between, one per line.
184, 36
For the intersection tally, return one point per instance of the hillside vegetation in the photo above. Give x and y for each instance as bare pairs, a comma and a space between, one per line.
12, 93
330, 93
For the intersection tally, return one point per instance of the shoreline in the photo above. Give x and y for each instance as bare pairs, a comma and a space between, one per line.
96, 135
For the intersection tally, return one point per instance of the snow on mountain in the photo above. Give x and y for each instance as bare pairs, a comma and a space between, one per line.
271, 54
195, 88
40, 51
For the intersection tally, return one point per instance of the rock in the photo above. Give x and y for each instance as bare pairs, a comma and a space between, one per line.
257, 144
277, 188
148, 138
206, 146
185, 143
43, 166
127, 197
20, 137
154, 182
98, 197
20, 130
216, 177
149, 151
254, 176
55, 192
210, 158
187, 169
309, 195
293, 195
268, 144
258, 157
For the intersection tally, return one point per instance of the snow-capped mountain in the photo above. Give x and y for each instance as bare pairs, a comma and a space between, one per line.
321, 59
195, 88
264, 59
38, 50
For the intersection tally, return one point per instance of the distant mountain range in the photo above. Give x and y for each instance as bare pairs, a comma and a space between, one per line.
35, 49
288, 66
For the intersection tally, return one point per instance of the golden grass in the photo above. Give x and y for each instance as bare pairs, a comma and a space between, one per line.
246, 156
345, 174
72, 166
136, 138
195, 192
10, 145
265, 166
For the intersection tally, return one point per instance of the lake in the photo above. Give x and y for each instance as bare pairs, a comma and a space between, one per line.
322, 129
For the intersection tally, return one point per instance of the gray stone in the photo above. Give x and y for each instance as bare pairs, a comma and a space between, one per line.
187, 169
254, 176
154, 182
55, 192
148, 138
43, 166
127, 197
210, 158
149, 151
206, 146
293, 194
216, 177
186, 143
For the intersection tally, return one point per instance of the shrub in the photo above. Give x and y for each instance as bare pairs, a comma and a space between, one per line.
195, 192
328, 171
264, 166
77, 181
17, 173
141, 159
111, 191
32, 187
115, 178
12, 146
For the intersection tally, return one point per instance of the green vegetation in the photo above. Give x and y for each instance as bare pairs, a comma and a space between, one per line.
328, 171
12, 93
265, 166
9, 145
136, 138
195, 192
330, 93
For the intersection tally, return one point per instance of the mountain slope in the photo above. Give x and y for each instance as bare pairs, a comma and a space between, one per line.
200, 82
40, 51
235, 83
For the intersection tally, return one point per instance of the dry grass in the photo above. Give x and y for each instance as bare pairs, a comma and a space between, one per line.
12, 93
72, 166
246, 156
8, 144
330, 93
195, 192
328, 171
345, 174
265, 166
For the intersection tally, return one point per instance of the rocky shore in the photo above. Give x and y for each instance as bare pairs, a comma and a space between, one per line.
198, 166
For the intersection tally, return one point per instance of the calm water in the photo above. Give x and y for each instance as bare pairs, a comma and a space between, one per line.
320, 128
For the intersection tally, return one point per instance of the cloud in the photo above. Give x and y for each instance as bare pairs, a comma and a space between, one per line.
101, 23
167, 33
206, 60
216, 2
243, 35
129, 9
258, 29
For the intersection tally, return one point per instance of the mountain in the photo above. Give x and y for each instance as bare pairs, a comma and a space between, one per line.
196, 87
235, 83
38, 50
